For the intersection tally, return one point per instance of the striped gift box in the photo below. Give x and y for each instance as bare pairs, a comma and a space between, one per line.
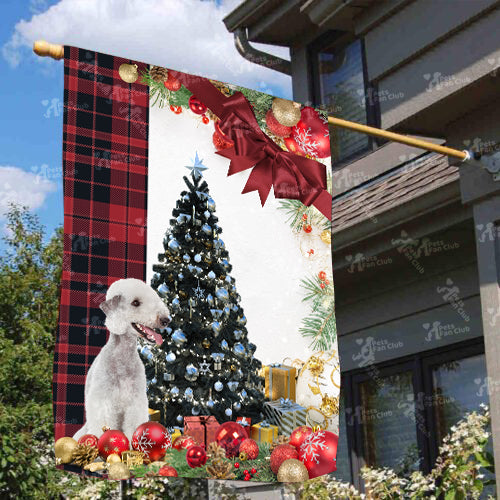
286, 414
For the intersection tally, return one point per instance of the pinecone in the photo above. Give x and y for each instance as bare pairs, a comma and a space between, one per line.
216, 452
277, 442
220, 469
222, 87
158, 74
84, 455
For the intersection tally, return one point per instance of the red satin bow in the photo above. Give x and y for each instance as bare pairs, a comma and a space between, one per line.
291, 176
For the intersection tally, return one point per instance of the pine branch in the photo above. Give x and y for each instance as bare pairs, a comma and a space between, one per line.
320, 327
161, 96
295, 210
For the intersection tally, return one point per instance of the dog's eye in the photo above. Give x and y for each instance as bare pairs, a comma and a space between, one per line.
136, 303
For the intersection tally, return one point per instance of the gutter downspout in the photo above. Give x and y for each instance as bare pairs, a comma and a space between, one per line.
257, 56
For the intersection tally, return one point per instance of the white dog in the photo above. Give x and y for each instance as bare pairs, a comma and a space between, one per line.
115, 388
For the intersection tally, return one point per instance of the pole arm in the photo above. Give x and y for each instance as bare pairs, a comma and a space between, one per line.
46, 49
392, 136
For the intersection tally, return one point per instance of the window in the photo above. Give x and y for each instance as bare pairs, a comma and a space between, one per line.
397, 413
339, 85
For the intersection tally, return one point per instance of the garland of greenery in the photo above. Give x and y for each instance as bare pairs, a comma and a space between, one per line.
177, 459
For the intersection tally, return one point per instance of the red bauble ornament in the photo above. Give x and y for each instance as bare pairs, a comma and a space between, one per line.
171, 83
322, 275
230, 435
298, 436
221, 141
196, 456
250, 447
237, 465
281, 453
112, 441
152, 439
196, 106
307, 228
275, 126
205, 119
89, 440
168, 471
311, 134
292, 146
184, 442
319, 453
176, 109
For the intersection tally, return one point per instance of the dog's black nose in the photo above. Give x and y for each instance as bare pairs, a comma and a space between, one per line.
165, 321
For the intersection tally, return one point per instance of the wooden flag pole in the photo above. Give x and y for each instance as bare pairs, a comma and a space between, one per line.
45, 49
392, 136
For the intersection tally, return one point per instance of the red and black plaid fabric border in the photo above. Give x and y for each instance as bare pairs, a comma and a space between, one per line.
105, 162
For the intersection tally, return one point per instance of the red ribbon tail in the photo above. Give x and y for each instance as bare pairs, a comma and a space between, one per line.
261, 180
323, 203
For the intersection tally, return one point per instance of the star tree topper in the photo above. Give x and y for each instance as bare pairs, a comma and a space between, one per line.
197, 167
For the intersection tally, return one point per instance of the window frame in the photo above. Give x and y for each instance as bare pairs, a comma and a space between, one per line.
420, 364
338, 39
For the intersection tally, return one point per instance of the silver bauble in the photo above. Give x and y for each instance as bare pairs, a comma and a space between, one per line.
170, 357
186, 258
218, 386
197, 257
228, 412
233, 385
163, 289
216, 326
180, 419
174, 390
211, 204
239, 349
179, 337
224, 345
206, 229
238, 334
191, 373
211, 275
174, 245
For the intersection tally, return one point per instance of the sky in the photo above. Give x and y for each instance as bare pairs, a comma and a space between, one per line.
186, 35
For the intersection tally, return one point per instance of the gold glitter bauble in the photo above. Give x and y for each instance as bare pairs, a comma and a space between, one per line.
292, 471
113, 458
286, 112
118, 470
329, 406
128, 72
64, 449
206, 343
326, 237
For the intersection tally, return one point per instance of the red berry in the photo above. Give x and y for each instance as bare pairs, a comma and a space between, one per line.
246, 478
253, 471
322, 285
327, 282
307, 228
322, 275
304, 217
205, 119
176, 109
237, 465
245, 472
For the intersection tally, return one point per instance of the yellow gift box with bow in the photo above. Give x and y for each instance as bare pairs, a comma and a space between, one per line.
280, 381
264, 432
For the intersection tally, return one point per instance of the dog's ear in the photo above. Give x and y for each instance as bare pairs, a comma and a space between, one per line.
111, 304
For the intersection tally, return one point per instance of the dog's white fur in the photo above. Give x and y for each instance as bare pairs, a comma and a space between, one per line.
115, 387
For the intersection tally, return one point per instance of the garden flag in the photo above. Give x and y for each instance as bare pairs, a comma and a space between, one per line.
197, 332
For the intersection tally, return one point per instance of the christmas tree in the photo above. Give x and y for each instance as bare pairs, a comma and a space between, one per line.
206, 365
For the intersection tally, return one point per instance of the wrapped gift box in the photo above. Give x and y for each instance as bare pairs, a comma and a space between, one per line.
246, 423
175, 432
203, 429
154, 415
264, 432
286, 414
280, 381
